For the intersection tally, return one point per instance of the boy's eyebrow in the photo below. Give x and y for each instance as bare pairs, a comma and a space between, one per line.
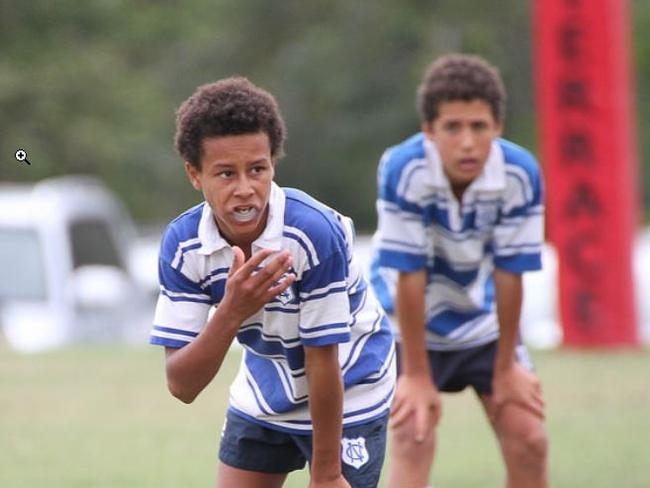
227, 165
223, 165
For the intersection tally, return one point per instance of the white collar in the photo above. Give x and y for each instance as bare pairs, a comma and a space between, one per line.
492, 178
271, 238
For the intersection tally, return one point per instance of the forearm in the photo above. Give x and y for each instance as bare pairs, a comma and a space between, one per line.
191, 368
509, 297
409, 304
247, 289
326, 409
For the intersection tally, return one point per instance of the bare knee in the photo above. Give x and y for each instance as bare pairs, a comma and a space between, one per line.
527, 448
403, 443
410, 461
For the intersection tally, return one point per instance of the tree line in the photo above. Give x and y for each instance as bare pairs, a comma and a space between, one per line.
91, 87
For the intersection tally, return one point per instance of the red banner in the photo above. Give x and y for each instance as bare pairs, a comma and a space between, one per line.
589, 154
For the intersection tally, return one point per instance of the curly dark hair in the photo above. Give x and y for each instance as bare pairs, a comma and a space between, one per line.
231, 106
460, 77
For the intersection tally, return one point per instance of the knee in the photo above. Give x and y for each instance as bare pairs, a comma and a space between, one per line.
403, 442
529, 448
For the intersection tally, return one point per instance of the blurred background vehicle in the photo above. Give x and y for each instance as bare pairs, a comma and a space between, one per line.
66, 257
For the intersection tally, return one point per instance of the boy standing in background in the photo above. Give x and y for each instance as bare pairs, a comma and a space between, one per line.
460, 218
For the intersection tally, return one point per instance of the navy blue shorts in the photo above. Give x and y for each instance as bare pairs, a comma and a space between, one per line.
254, 447
453, 371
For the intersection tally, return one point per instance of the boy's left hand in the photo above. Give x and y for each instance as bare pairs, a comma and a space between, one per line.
518, 385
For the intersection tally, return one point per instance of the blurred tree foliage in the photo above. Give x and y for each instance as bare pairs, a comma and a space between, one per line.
91, 87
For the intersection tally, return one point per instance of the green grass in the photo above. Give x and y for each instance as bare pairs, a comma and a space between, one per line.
101, 417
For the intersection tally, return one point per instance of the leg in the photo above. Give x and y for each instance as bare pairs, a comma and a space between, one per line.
228, 476
523, 442
410, 461
254, 456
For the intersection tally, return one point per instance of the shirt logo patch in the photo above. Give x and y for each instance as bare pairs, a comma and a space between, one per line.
486, 216
354, 452
288, 295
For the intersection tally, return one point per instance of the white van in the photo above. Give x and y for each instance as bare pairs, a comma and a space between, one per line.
65, 268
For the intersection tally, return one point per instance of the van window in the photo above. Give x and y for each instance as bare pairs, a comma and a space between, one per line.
92, 243
21, 265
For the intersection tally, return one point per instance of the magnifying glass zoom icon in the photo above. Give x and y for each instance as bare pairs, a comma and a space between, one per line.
21, 156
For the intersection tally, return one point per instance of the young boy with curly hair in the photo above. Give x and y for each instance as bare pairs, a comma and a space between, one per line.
277, 269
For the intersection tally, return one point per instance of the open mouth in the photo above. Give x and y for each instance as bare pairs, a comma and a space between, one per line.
245, 214
468, 162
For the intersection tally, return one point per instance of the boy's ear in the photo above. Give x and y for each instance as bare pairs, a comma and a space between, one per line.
499, 129
427, 129
193, 175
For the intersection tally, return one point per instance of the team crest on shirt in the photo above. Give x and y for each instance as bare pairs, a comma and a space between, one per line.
354, 452
486, 216
288, 295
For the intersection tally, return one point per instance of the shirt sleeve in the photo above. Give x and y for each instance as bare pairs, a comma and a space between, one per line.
519, 232
183, 306
324, 302
401, 232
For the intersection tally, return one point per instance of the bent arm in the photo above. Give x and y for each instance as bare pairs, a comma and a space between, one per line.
512, 382
326, 408
416, 396
190, 368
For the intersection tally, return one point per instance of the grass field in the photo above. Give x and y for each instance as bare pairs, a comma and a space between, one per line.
101, 417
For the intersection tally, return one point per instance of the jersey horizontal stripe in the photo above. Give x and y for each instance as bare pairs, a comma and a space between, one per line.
169, 330
374, 406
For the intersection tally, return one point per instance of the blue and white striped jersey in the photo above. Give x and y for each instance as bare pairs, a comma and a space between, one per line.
422, 225
329, 303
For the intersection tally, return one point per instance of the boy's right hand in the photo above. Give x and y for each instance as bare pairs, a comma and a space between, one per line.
247, 290
416, 401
